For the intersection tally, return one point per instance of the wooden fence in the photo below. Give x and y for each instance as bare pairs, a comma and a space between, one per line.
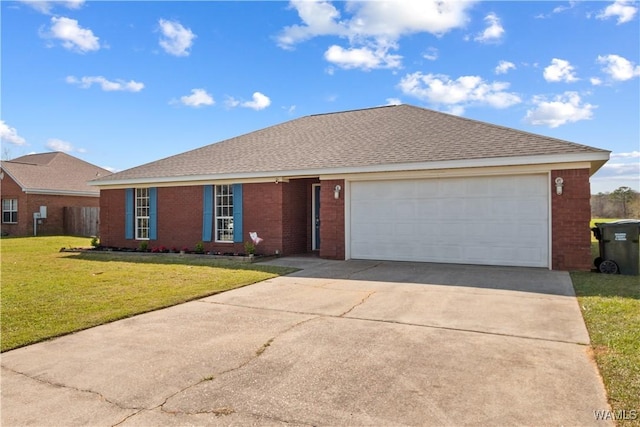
79, 221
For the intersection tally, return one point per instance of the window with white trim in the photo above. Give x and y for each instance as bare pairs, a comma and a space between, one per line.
224, 213
142, 213
10, 211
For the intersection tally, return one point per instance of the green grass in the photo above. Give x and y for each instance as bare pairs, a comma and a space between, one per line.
610, 306
46, 293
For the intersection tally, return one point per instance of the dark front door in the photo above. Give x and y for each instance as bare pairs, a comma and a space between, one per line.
316, 217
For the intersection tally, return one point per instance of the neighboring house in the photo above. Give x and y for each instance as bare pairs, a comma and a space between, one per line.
53, 185
389, 183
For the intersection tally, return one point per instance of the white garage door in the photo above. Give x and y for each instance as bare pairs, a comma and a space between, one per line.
479, 220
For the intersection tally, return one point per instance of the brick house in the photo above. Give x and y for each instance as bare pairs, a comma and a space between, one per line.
391, 183
54, 182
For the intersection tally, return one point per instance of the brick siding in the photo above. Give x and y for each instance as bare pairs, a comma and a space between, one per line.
570, 216
30, 203
332, 220
279, 213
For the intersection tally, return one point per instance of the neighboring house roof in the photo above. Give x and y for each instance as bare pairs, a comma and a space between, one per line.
401, 137
54, 173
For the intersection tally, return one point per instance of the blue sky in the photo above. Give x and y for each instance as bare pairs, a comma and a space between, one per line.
119, 84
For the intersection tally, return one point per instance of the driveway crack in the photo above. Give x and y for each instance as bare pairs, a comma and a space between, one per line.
358, 304
227, 411
80, 390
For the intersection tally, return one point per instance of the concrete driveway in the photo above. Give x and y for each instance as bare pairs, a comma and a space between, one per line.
337, 343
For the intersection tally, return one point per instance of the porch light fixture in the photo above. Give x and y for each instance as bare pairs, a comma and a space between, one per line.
336, 192
559, 185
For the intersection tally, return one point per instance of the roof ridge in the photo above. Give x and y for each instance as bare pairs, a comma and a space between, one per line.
354, 110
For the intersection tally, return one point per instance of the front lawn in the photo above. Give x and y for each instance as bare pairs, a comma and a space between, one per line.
610, 306
47, 293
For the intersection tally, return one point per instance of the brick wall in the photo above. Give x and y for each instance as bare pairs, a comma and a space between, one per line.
30, 203
179, 217
331, 220
570, 216
279, 213
112, 219
10, 190
262, 213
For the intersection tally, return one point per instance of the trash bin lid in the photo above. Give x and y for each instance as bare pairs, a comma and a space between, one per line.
620, 222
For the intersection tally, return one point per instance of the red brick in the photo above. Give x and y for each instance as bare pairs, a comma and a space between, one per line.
30, 203
570, 216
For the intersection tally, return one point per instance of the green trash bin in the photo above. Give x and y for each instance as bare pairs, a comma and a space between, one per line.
619, 249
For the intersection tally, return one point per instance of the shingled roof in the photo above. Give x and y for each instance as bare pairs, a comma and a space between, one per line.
371, 138
54, 173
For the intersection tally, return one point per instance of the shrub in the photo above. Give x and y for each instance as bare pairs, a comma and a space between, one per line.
249, 248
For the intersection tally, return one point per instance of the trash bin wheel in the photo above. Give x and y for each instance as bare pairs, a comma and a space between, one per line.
597, 262
608, 267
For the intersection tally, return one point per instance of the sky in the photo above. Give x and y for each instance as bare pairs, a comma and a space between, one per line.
120, 84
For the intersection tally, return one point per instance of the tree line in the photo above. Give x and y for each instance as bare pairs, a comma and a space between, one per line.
621, 203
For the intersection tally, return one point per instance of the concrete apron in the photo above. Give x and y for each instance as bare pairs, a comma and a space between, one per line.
337, 343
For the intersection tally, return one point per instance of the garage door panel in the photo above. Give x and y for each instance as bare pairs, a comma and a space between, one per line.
486, 220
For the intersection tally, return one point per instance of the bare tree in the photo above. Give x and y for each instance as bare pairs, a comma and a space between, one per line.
624, 196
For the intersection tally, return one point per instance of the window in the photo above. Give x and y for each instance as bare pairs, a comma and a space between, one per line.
142, 213
224, 213
10, 211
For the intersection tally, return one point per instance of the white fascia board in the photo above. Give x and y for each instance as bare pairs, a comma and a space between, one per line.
596, 160
183, 181
61, 192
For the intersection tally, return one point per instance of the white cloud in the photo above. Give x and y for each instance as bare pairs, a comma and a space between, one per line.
464, 91
504, 67
106, 85
431, 54
364, 58
231, 102
595, 81
198, 98
383, 19
371, 27
563, 109
72, 35
259, 102
623, 10
60, 145
619, 68
46, 6
494, 31
629, 155
10, 135
393, 101
613, 175
560, 70
319, 19
176, 39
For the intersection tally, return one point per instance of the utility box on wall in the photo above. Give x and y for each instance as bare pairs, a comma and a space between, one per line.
43, 212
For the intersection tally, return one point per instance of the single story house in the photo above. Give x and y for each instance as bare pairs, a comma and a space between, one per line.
42, 193
391, 183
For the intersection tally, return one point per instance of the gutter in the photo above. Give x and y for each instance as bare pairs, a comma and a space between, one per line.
596, 161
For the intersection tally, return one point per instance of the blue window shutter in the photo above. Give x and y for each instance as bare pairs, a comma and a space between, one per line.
128, 213
237, 213
153, 213
207, 214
